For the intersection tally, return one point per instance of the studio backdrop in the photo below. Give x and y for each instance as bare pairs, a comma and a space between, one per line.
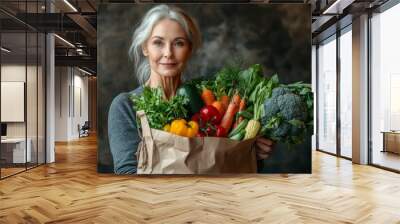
267, 39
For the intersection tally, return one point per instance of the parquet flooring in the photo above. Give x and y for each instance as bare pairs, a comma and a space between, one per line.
10, 171
71, 191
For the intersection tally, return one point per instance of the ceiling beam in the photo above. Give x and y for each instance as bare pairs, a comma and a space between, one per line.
83, 61
337, 7
84, 24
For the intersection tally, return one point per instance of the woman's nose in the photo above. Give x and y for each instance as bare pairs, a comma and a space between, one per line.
168, 51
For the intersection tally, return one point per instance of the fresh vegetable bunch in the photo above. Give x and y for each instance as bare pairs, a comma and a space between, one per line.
209, 119
210, 113
258, 106
236, 103
159, 111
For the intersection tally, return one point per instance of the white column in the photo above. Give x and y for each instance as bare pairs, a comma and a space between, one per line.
360, 90
50, 93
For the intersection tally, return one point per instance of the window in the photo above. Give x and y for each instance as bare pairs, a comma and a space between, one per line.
385, 88
22, 65
327, 95
346, 92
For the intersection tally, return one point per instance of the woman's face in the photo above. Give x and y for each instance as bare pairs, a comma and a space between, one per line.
167, 49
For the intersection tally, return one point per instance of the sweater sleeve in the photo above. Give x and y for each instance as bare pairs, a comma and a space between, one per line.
123, 134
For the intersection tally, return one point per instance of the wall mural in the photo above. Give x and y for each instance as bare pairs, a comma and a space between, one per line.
243, 46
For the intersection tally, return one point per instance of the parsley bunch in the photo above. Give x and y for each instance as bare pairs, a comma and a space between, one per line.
159, 111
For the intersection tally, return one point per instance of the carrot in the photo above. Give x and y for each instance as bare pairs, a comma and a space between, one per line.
242, 107
229, 116
225, 101
207, 96
219, 106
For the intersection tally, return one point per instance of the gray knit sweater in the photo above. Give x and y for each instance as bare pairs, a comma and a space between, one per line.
123, 134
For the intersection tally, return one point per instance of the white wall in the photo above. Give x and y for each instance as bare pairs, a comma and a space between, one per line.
80, 110
62, 81
16, 73
71, 101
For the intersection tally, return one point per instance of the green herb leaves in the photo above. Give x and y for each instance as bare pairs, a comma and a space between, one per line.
159, 111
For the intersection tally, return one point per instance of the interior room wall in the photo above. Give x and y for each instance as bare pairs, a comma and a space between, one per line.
71, 102
80, 109
16, 73
61, 103
92, 88
30, 75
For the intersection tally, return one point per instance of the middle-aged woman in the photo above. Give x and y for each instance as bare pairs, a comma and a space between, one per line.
161, 47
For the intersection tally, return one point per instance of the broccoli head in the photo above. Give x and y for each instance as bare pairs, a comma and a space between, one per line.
284, 115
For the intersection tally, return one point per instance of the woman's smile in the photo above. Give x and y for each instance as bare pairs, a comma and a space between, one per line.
169, 64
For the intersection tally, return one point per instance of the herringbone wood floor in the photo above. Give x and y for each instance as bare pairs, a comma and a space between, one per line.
71, 191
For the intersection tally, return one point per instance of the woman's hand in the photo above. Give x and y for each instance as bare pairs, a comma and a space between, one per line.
264, 147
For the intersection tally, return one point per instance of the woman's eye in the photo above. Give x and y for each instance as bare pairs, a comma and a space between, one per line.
179, 44
157, 43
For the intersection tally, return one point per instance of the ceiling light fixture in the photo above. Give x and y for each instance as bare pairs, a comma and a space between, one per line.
70, 5
5, 49
80, 51
65, 41
84, 71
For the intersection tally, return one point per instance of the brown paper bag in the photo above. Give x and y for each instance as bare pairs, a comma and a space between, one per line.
161, 152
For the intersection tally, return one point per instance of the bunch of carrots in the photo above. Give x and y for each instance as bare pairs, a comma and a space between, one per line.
228, 107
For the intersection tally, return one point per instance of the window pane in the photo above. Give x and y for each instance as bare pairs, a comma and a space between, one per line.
14, 152
31, 97
327, 96
345, 94
385, 84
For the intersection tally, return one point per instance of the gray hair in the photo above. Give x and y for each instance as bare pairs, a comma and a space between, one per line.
143, 32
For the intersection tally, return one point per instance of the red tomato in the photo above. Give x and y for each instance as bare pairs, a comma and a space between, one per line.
200, 134
210, 114
210, 131
221, 131
196, 117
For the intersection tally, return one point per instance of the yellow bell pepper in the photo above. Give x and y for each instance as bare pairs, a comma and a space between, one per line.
193, 129
178, 127
182, 128
167, 127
